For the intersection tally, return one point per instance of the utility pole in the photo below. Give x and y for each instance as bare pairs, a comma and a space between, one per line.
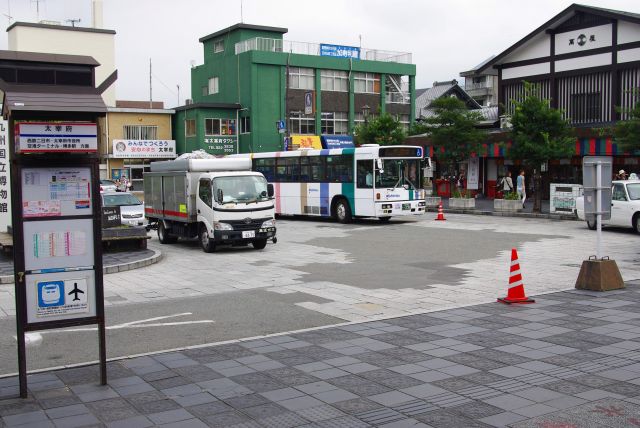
178, 86
37, 2
241, 20
150, 87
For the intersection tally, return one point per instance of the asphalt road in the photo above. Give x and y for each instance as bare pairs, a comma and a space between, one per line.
320, 273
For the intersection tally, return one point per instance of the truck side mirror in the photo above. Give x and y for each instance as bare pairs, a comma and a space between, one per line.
270, 190
219, 196
380, 166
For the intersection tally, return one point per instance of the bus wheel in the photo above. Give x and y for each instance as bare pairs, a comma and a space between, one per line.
342, 211
207, 244
384, 219
163, 235
259, 244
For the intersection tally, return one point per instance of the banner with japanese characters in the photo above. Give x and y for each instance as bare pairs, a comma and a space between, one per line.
46, 137
221, 145
5, 185
144, 149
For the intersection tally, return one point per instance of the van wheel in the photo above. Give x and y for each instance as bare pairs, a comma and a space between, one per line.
207, 244
592, 224
342, 211
163, 235
259, 244
636, 223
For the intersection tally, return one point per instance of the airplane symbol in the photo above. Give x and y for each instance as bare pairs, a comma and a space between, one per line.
75, 292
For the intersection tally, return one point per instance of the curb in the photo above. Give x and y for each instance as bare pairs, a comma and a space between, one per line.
508, 214
155, 258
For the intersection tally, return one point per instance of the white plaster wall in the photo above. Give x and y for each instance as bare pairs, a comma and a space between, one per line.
629, 55
583, 62
538, 47
100, 46
602, 34
628, 32
526, 70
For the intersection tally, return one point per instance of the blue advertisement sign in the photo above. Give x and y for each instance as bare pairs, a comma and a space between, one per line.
337, 142
339, 51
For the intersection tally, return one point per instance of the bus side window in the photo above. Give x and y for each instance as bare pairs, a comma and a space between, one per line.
266, 167
281, 170
317, 164
304, 169
365, 174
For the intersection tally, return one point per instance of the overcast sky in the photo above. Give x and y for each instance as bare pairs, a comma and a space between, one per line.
445, 37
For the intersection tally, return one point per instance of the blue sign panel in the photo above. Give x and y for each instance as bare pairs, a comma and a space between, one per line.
340, 51
337, 142
280, 125
50, 293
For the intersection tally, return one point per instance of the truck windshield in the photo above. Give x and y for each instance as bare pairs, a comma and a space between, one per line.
399, 173
248, 188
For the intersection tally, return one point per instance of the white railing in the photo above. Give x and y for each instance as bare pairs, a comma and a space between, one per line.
398, 98
304, 48
471, 86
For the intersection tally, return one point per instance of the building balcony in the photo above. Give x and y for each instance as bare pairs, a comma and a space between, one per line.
398, 98
304, 48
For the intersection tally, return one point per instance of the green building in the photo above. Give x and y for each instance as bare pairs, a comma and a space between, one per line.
255, 89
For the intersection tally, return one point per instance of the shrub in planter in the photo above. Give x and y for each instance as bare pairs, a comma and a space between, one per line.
510, 202
461, 199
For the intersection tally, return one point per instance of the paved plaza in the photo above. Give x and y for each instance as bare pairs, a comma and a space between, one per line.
570, 360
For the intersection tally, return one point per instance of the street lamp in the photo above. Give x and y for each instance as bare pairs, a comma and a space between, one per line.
365, 112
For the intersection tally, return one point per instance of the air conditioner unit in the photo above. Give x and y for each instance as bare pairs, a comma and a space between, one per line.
188, 101
505, 122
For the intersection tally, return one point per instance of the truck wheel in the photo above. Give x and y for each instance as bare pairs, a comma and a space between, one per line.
384, 219
207, 244
592, 225
259, 244
342, 211
163, 235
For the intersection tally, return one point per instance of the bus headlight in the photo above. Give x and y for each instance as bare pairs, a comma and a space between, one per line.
222, 226
422, 204
269, 223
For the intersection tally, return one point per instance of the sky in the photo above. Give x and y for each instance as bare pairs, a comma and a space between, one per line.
445, 37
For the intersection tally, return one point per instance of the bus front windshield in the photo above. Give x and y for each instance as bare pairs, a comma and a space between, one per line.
248, 188
399, 173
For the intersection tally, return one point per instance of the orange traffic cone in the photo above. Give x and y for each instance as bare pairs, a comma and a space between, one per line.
516, 287
440, 213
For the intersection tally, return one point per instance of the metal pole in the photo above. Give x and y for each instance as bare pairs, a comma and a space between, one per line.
599, 210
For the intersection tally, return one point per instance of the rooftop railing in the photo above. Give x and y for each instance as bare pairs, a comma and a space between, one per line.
304, 48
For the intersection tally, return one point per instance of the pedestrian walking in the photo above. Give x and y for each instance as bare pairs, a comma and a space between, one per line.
521, 186
622, 175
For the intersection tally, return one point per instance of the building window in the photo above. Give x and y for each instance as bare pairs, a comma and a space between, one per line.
245, 125
300, 123
213, 85
190, 127
219, 127
366, 83
301, 78
586, 107
333, 123
205, 90
140, 132
334, 80
218, 46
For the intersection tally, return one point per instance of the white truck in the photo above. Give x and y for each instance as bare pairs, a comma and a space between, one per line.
220, 201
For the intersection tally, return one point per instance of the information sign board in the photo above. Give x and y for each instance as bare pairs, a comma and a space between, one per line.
111, 217
5, 181
339, 51
591, 186
55, 192
144, 149
47, 137
60, 295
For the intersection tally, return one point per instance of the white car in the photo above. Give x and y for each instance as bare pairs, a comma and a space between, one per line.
625, 206
108, 186
131, 209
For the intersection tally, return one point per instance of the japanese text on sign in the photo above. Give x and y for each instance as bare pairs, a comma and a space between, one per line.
56, 137
144, 148
221, 145
5, 188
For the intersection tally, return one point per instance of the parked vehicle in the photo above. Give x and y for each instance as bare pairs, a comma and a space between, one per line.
108, 186
220, 201
625, 206
131, 208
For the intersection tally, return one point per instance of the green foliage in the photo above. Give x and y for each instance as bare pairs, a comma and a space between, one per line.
453, 127
512, 196
385, 130
461, 193
627, 132
539, 132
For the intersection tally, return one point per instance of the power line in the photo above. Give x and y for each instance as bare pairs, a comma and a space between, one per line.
163, 84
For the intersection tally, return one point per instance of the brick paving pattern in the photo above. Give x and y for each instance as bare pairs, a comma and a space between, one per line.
570, 360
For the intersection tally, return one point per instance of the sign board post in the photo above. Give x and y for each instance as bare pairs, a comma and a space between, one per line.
57, 231
598, 273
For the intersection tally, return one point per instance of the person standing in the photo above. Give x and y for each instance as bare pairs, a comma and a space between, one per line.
507, 183
521, 186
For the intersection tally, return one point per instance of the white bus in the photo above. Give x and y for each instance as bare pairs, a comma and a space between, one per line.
368, 181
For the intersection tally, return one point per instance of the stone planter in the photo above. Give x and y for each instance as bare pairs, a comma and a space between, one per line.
507, 205
462, 203
432, 201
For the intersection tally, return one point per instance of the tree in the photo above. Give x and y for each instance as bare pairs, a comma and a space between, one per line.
384, 130
539, 133
453, 127
627, 132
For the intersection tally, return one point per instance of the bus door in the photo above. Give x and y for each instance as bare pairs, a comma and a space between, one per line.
364, 197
